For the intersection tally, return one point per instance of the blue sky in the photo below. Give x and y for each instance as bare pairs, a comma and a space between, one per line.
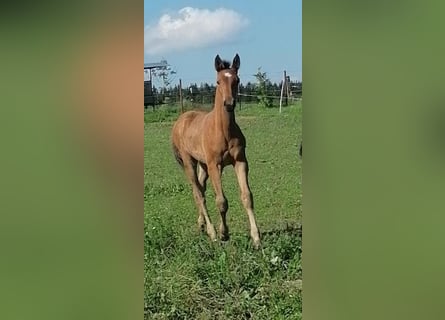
265, 34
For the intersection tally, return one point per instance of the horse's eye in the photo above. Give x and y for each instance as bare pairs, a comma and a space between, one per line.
217, 82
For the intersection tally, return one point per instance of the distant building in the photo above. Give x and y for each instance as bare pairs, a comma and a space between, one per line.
149, 97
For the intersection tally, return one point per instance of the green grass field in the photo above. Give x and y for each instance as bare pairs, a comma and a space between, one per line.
187, 276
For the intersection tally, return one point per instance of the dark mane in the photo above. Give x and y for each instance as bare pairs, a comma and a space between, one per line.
226, 64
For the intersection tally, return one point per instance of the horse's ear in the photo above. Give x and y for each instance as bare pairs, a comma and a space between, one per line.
219, 65
236, 62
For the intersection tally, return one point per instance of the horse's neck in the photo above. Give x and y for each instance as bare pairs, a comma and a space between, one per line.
223, 119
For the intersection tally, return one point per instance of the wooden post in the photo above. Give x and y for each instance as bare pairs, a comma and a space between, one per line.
239, 98
282, 90
180, 96
286, 86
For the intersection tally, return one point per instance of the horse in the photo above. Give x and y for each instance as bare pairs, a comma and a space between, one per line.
205, 142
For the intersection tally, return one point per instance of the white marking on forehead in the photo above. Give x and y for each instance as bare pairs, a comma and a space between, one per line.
228, 74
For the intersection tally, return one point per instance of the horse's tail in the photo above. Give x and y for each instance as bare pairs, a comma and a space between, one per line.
177, 155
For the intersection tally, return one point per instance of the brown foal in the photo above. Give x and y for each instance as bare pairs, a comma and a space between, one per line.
205, 142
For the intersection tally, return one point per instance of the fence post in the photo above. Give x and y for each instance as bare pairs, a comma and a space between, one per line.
282, 89
239, 97
286, 86
180, 96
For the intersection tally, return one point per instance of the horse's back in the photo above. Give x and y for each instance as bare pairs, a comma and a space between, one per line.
188, 120
190, 116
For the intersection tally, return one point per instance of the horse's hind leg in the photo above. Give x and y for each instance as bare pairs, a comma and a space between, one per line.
215, 171
242, 169
202, 179
190, 168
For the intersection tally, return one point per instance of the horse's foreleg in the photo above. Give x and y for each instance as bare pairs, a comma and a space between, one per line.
215, 171
242, 169
198, 194
202, 179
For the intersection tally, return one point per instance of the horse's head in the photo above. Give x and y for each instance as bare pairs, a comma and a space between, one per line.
227, 81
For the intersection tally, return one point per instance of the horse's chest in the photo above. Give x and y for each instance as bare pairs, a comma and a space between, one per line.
230, 152
224, 148
227, 157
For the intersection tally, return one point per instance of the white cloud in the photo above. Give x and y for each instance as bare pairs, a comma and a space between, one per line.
192, 28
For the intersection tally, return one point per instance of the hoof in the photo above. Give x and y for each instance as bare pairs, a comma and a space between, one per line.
257, 244
212, 234
225, 237
224, 233
201, 224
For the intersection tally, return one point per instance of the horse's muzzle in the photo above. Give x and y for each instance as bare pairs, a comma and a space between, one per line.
230, 106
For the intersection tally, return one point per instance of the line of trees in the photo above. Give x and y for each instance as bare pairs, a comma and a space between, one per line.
260, 92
